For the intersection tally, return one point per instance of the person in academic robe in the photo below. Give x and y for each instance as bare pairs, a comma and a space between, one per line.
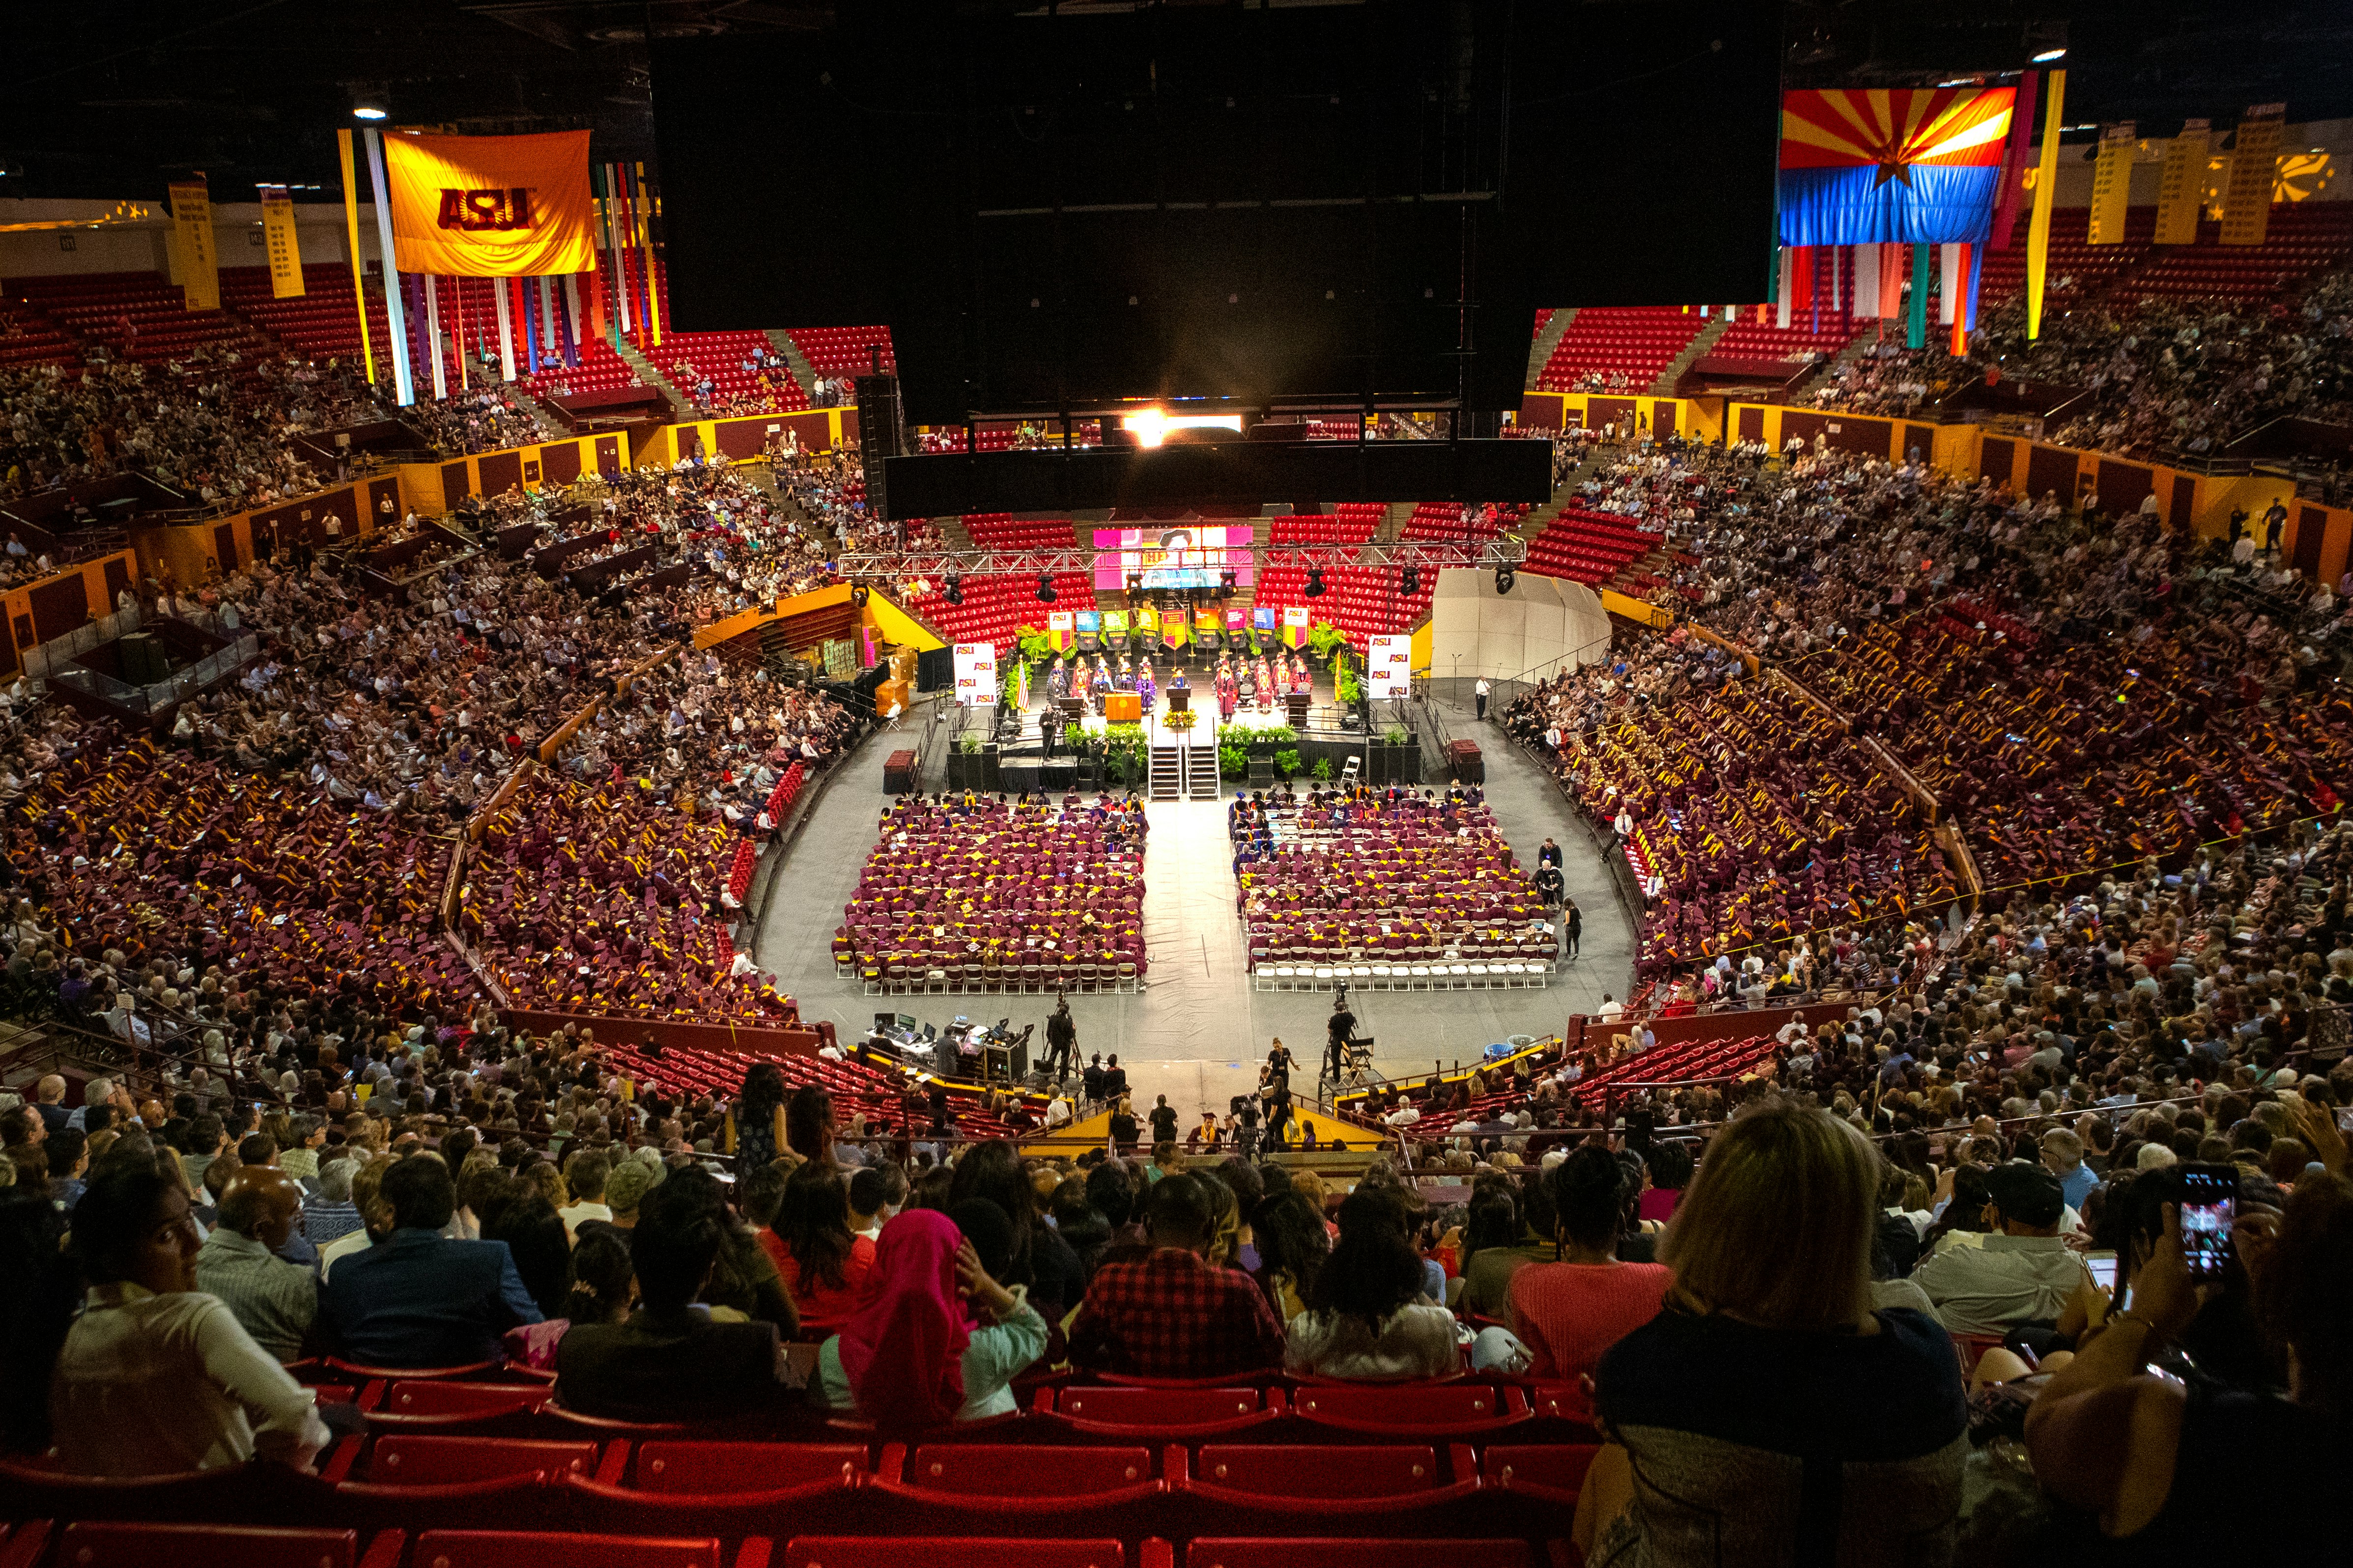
1229, 693
1058, 681
1148, 691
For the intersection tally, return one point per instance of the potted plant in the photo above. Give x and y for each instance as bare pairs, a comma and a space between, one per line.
1323, 637
1286, 763
1233, 761
1324, 769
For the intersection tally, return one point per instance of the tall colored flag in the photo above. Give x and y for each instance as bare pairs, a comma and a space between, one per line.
2254, 162
352, 249
284, 251
192, 224
2014, 161
2112, 184
2181, 185
1917, 166
491, 207
2046, 184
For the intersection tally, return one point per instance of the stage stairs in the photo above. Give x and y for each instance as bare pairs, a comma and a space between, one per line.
1200, 764
1165, 777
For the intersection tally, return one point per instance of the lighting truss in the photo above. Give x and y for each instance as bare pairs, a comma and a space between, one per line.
1429, 555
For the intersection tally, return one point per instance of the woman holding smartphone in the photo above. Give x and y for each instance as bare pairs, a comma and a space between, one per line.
2198, 1472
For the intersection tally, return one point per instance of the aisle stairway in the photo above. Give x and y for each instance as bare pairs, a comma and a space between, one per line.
1164, 782
796, 361
1200, 771
682, 406
1547, 338
1665, 386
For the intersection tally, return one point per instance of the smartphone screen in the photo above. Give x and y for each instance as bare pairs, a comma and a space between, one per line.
2206, 1221
2103, 1265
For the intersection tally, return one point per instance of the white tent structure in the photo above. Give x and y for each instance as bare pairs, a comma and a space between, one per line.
1543, 626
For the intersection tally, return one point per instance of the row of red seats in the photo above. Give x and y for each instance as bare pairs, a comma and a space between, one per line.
1349, 524
857, 1088
1640, 341
130, 1544
1689, 1061
998, 531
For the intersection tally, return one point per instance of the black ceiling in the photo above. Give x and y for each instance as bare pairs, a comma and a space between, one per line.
112, 98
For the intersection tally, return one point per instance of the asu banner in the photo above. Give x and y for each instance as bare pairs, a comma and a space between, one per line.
1892, 166
192, 225
491, 206
278, 235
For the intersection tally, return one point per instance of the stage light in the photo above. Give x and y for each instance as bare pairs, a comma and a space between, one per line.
1225, 583
1135, 582
1504, 577
368, 103
1410, 580
1046, 594
955, 595
2047, 56
858, 597
1150, 426
1314, 589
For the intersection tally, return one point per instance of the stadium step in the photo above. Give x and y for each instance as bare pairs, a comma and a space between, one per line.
1165, 778
1805, 389
1546, 339
1716, 326
1393, 521
795, 360
679, 404
1200, 771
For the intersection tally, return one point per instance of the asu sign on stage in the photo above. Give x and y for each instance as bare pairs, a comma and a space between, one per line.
491, 206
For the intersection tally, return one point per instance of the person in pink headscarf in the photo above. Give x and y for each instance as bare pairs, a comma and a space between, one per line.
934, 1337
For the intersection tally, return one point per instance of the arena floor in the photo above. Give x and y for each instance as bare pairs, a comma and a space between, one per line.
1198, 1028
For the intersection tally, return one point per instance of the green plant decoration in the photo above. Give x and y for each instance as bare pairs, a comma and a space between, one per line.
1286, 763
1322, 767
1323, 637
1396, 735
1233, 761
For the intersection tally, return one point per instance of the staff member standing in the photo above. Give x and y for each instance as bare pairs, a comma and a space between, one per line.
1479, 695
1061, 1039
1340, 1030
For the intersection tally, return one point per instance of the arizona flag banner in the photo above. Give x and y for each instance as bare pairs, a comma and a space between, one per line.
491, 206
192, 225
1906, 165
284, 250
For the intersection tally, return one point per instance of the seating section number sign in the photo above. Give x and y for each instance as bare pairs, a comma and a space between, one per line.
1388, 667
976, 674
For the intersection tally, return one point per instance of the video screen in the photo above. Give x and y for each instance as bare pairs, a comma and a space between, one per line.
1185, 555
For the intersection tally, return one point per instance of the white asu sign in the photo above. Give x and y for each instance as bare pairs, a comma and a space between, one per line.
975, 675
1388, 667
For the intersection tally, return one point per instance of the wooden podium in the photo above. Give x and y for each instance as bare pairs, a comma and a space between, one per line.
1180, 700
1123, 708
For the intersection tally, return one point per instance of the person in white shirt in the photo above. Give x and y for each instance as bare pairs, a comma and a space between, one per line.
155, 1377
876, 1193
1479, 694
584, 1175
1611, 1009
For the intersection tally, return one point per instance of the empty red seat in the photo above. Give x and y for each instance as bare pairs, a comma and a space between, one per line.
1294, 1552
963, 1551
557, 1549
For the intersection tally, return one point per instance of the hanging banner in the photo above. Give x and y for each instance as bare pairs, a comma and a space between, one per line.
1114, 625
403, 381
2014, 161
491, 206
278, 242
2254, 162
1916, 166
1388, 667
192, 226
1059, 628
2181, 184
2046, 184
352, 249
1866, 280
2112, 184
976, 674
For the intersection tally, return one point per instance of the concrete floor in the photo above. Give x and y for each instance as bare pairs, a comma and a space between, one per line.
1198, 1028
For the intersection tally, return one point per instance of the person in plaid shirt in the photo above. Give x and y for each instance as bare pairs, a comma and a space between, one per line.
1172, 1313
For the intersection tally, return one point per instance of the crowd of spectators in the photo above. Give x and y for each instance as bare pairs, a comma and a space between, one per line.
488, 418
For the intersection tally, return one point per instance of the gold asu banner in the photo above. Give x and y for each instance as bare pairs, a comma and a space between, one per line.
2111, 185
192, 224
491, 206
2254, 162
278, 235
2181, 187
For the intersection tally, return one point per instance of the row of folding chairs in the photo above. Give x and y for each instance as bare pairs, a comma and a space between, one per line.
1461, 976
43, 1543
985, 980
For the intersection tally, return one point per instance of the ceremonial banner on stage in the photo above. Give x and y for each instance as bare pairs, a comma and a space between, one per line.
192, 226
1262, 617
2112, 184
1915, 166
491, 206
975, 675
2181, 185
1388, 667
1114, 624
1190, 555
1090, 623
278, 236
1147, 620
2254, 164
1208, 620
1059, 626
1294, 623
